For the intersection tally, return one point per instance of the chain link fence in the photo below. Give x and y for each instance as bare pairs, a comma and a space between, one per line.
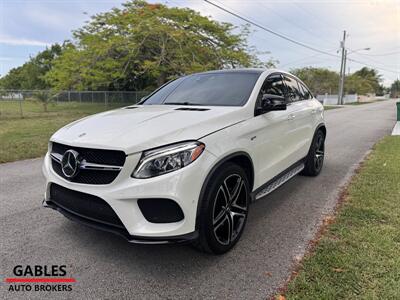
104, 97
23, 102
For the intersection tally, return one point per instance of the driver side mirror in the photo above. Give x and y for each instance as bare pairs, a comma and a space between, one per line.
271, 102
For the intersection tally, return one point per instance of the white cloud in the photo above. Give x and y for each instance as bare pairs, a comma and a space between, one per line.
15, 41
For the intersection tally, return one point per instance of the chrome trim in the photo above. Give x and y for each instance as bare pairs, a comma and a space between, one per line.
278, 182
84, 165
56, 156
92, 166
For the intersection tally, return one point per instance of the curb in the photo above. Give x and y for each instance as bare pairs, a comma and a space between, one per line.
396, 129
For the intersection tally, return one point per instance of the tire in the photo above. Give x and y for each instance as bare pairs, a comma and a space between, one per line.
224, 209
315, 157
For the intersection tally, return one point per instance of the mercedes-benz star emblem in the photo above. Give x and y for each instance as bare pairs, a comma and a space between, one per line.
70, 163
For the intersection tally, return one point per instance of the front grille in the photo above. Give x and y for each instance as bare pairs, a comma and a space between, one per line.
97, 156
84, 205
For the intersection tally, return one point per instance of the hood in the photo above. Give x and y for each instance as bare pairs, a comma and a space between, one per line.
137, 128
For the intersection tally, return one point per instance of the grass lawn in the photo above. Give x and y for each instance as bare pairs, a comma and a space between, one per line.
362, 103
328, 107
27, 137
358, 256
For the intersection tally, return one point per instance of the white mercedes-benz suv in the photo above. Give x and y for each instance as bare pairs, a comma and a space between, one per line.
185, 163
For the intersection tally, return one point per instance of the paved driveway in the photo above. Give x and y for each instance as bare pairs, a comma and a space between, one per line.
278, 230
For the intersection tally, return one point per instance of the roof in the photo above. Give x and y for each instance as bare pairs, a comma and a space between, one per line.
239, 70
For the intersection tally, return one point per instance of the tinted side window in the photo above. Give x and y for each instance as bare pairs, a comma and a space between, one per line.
293, 90
273, 85
303, 94
306, 92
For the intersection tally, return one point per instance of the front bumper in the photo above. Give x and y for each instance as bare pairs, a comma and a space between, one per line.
185, 238
182, 186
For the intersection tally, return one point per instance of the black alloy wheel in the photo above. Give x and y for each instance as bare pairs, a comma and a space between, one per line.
315, 158
230, 209
319, 152
224, 209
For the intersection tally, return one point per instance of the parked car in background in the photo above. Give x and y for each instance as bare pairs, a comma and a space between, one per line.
185, 163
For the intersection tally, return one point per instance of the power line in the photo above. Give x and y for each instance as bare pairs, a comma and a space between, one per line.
314, 16
256, 32
300, 60
288, 20
372, 66
293, 40
306, 58
378, 62
381, 54
270, 30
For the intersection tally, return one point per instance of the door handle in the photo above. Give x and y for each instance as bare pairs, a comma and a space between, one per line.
291, 117
313, 111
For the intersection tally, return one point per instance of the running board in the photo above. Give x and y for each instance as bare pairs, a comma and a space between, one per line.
279, 181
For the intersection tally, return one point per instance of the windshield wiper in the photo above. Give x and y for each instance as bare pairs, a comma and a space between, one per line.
183, 103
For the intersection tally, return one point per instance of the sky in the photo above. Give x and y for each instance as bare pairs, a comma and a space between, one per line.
29, 26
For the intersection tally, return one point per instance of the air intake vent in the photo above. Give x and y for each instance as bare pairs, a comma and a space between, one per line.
84, 205
192, 109
160, 210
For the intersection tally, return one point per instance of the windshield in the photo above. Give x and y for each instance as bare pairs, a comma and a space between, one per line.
213, 89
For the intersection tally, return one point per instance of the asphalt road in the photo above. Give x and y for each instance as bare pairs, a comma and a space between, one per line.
277, 233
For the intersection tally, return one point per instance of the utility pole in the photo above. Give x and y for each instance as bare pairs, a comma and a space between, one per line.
343, 76
342, 69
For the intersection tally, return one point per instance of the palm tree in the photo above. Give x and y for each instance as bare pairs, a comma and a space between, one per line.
44, 97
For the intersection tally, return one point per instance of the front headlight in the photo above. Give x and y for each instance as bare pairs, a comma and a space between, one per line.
167, 159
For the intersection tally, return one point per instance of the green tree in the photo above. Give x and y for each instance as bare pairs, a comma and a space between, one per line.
319, 80
143, 45
30, 76
13, 80
355, 84
395, 89
364, 81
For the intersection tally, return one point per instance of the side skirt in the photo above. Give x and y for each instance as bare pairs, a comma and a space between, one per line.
278, 180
